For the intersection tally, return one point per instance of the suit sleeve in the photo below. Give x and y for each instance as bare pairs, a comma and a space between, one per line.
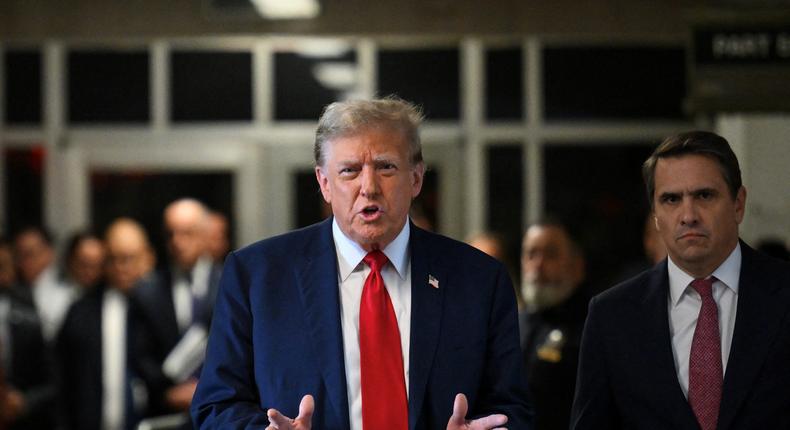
226, 396
505, 387
593, 406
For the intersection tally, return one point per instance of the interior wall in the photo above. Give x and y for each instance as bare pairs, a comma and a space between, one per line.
21, 19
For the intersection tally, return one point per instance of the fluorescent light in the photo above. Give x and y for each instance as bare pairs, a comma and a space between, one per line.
287, 9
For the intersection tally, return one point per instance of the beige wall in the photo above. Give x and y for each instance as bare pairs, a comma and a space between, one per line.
37, 19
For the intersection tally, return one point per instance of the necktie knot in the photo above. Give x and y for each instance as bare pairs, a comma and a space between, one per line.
376, 260
704, 286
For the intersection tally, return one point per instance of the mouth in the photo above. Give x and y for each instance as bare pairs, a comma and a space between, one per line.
691, 235
370, 212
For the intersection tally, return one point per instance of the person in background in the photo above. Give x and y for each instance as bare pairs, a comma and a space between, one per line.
217, 236
85, 258
494, 245
364, 321
553, 272
663, 350
101, 385
774, 247
654, 252
39, 283
181, 298
27, 388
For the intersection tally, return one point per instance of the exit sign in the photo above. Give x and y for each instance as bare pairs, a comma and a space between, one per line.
742, 46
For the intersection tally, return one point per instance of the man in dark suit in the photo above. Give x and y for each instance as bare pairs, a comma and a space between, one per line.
364, 321
703, 339
101, 383
27, 384
179, 300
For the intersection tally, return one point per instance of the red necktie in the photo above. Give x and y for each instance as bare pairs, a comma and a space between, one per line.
384, 404
705, 373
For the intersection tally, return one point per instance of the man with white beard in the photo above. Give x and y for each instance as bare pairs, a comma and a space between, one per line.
551, 323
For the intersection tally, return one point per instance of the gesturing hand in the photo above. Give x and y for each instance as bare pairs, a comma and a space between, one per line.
458, 420
302, 422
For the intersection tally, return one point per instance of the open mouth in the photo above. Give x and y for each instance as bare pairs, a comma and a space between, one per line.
370, 212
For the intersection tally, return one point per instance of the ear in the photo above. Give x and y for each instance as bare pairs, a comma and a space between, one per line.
418, 173
655, 221
740, 204
323, 183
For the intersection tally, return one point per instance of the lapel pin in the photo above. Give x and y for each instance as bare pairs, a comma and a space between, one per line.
433, 281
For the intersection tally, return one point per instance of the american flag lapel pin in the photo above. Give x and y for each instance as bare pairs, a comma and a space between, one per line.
432, 281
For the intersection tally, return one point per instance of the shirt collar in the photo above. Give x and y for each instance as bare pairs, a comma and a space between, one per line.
350, 254
728, 273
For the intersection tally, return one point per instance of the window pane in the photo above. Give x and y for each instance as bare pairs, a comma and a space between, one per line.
305, 84
111, 191
107, 86
504, 84
310, 205
598, 191
614, 83
505, 188
22, 87
24, 175
427, 77
211, 86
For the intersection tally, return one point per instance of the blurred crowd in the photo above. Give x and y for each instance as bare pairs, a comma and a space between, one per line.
112, 335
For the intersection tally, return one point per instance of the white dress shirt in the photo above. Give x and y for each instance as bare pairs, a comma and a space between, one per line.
52, 300
185, 293
113, 328
685, 304
352, 272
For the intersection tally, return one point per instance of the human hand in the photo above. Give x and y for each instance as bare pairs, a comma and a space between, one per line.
458, 420
278, 421
179, 397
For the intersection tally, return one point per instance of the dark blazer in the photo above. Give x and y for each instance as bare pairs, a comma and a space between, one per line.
627, 377
157, 317
80, 364
276, 335
30, 369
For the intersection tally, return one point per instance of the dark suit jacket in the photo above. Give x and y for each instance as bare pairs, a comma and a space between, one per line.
627, 377
551, 365
30, 369
154, 301
79, 355
276, 335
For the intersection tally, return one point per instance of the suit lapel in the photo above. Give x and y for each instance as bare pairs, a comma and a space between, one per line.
319, 294
657, 358
757, 320
426, 316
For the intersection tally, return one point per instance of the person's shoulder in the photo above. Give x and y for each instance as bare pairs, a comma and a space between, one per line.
633, 289
288, 245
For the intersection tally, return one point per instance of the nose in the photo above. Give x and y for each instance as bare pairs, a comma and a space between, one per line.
369, 182
689, 214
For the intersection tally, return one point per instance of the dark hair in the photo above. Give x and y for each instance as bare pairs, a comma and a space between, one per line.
42, 232
703, 143
75, 240
570, 231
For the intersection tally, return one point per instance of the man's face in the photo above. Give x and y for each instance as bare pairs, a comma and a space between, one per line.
550, 268
88, 262
695, 214
369, 181
127, 258
33, 255
185, 227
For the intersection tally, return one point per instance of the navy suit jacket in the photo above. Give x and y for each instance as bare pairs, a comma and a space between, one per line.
627, 377
276, 335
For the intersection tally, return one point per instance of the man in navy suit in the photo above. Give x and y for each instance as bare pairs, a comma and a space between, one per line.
701, 341
288, 343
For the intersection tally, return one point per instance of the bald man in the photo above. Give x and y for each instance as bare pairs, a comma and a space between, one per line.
99, 366
182, 299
